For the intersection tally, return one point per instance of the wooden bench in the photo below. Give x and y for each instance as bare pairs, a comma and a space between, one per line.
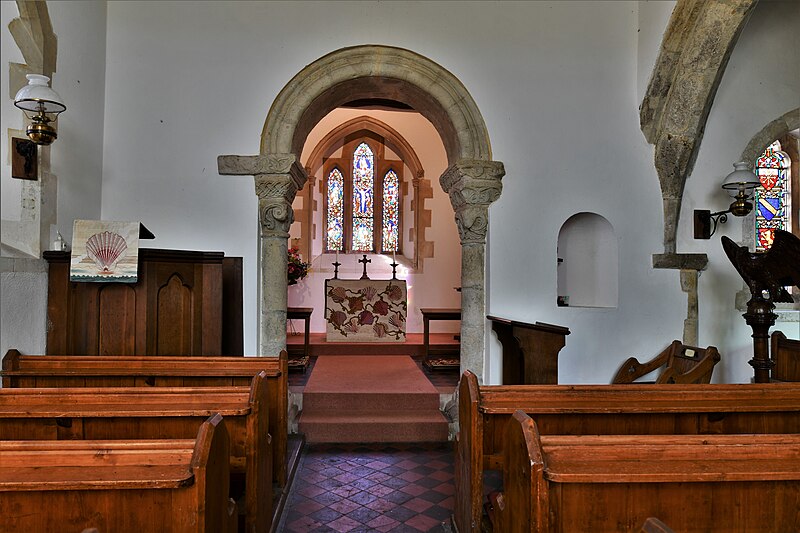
785, 354
150, 413
711, 483
681, 364
485, 411
162, 371
171, 486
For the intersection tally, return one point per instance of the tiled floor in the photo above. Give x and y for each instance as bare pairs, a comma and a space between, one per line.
375, 487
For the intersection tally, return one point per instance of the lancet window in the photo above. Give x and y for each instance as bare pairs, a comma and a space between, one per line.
363, 200
773, 196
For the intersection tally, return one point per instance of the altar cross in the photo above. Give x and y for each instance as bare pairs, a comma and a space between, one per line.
365, 261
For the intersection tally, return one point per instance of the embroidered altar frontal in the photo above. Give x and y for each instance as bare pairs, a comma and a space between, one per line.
366, 310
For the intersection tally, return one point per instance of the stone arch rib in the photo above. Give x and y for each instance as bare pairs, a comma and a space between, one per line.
694, 53
399, 74
777, 128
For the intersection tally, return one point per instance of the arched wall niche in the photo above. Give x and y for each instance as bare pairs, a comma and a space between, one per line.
472, 180
588, 262
420, 190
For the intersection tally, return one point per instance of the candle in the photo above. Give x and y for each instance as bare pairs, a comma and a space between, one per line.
394, 260
337, 256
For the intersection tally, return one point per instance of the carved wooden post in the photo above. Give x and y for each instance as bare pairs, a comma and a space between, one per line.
278, 178
473, 185
760, 317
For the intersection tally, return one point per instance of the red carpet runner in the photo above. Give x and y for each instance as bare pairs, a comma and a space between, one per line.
356, 398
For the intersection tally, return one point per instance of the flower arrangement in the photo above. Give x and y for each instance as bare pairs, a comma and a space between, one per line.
297, 268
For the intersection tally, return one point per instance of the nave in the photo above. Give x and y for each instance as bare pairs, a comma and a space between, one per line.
379, 486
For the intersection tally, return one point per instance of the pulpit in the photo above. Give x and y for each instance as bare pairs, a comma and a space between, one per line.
184, 303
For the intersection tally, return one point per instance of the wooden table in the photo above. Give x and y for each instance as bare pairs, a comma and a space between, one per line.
435, 313
303, 313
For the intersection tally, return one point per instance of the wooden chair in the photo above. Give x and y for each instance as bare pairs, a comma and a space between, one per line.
682, 364
786, 356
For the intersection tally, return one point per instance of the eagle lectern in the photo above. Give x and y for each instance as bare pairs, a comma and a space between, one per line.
766, 275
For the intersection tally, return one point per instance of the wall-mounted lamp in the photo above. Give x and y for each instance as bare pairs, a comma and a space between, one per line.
37, 97
739, 184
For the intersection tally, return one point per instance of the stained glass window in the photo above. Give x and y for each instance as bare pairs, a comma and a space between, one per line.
772, 196
335, 215
391, 211
363, 198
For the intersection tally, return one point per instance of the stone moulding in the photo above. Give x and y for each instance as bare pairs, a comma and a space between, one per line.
434, 92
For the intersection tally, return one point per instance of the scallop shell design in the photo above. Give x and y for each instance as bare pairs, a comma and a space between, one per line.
337, 294
106, 249
369, 293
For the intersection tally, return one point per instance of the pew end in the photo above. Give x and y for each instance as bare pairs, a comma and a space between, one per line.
175, 485
616, 482
468, 474
682, 364
786, 357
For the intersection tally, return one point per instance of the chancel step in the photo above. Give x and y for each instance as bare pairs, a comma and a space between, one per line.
364, 399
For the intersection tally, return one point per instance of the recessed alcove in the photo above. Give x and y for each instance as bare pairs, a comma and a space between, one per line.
588, 262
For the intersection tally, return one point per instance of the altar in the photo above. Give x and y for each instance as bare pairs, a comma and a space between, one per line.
365, 310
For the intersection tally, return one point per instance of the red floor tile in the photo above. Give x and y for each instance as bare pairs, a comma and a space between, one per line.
361, 488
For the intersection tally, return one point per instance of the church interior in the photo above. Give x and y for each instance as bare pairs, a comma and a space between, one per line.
400, 266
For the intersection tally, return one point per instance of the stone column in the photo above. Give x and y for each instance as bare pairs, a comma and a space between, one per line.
278, 177
473, 185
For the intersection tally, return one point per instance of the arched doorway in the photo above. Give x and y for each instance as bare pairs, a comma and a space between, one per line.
472, 179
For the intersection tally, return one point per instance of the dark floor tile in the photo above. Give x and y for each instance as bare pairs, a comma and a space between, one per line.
371, 488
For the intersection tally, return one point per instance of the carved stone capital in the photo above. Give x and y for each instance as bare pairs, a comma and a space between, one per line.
276, 216
276, 192
473, 186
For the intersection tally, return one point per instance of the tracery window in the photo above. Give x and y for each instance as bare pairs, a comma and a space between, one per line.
370, 222
773, 196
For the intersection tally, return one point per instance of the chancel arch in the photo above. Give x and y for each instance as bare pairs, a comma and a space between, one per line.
472, 179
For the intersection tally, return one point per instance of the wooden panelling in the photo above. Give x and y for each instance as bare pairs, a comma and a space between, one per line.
177, 307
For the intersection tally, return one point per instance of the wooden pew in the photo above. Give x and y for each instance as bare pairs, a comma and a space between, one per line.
171, 486
162, 371
150, 413
484, 412
785, 354
710, 483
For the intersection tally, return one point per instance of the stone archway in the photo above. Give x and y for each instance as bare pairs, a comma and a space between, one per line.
472, 179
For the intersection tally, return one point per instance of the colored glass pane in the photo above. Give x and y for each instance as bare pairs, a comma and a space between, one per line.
335, 214
391, 212
772, 196
363, 198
